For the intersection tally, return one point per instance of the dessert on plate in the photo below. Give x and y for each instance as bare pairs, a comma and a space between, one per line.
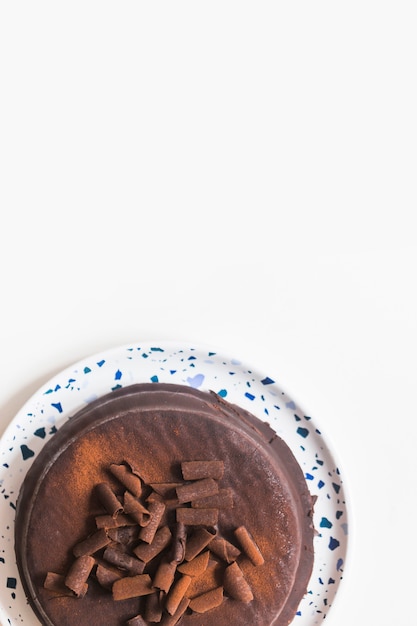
163, 504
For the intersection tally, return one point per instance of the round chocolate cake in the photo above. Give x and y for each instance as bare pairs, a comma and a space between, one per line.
159, 503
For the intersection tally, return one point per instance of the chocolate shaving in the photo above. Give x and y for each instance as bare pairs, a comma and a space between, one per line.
106, 575
125, 475
135, 509
196, 566
132, 587
224, 549
172, 620
197, 489
194, 470
154, 606
108, 499
107, 521
164, 576
200, 538
207, 601
56, 582
236, 585
125, 561
179, 542
147, 551
197, 517
92, 544
78, 573
211, 578
166, 490
124, 534
221, 500
176, 594
156, 510
249, 546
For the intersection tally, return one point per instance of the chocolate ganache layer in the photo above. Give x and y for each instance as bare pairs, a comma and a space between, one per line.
164, 465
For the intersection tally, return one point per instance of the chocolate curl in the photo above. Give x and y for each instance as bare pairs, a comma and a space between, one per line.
179, 543
124, 534
172, 503
249, 546
197, 489
147, 551
224, 549
135, 509
200, 538
207, 601
107, 575
236, 585
108, 499
164, 576
197, 517
156, 510
107, 521
92, 544
221, 500
176, 594
153, 607
194, 470
132, 587
125, 475
78, 573
125, 561
166, 490
196, 566
136, 621
172, 620
211, 578
56, 582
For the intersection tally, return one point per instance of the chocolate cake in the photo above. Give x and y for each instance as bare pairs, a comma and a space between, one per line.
160, 503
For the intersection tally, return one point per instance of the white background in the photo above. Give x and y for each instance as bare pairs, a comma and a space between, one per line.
241, 175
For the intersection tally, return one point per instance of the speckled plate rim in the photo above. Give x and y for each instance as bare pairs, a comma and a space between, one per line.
200, 367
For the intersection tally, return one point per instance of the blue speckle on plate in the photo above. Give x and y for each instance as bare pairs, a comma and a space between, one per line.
333, 543
325, 523
196, 381
27, 453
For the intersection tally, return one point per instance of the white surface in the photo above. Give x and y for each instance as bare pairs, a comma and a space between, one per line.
241, 175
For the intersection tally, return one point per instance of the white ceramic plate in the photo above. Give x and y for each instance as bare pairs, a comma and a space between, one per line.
197, 367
